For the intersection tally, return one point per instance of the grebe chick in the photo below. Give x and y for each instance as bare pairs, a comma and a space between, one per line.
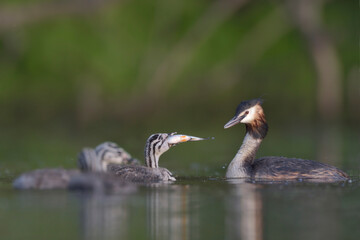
105, 153
155, 146
244, 164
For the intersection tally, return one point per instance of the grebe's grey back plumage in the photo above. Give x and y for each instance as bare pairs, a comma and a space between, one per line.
244, 164
48, 178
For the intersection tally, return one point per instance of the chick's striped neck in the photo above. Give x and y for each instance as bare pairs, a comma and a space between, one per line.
152, 154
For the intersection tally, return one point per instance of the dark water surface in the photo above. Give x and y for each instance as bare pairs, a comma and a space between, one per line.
191, 208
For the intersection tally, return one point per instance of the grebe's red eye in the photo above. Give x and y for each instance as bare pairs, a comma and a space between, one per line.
247, 112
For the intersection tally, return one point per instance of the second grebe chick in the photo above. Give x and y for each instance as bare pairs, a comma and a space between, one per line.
105, 153
156, 145
244, 164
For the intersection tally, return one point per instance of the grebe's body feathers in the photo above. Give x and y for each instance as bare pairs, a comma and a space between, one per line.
141, 173
50, 178
295, 168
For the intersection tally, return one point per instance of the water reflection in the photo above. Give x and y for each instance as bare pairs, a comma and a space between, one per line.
244, 212
168, 214
173, 213
216, 209
109, 216
104, 216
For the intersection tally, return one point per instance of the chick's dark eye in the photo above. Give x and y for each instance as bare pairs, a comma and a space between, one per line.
247, 112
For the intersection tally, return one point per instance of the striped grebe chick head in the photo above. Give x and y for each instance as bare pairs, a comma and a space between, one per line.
110, 152
159, 143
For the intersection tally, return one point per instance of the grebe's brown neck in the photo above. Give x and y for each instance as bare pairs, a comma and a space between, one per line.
241, 164
252, 115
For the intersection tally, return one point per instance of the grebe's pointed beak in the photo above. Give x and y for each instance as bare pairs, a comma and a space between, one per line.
180, 138
235, 120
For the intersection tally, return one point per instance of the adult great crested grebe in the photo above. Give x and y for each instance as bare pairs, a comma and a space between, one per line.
155, 146
244, 164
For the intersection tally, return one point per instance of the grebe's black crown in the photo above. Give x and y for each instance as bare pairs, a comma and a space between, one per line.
247, 104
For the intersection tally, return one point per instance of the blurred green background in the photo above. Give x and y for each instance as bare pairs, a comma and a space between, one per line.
76, 73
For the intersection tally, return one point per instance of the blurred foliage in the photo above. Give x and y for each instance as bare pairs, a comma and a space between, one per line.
113, 55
